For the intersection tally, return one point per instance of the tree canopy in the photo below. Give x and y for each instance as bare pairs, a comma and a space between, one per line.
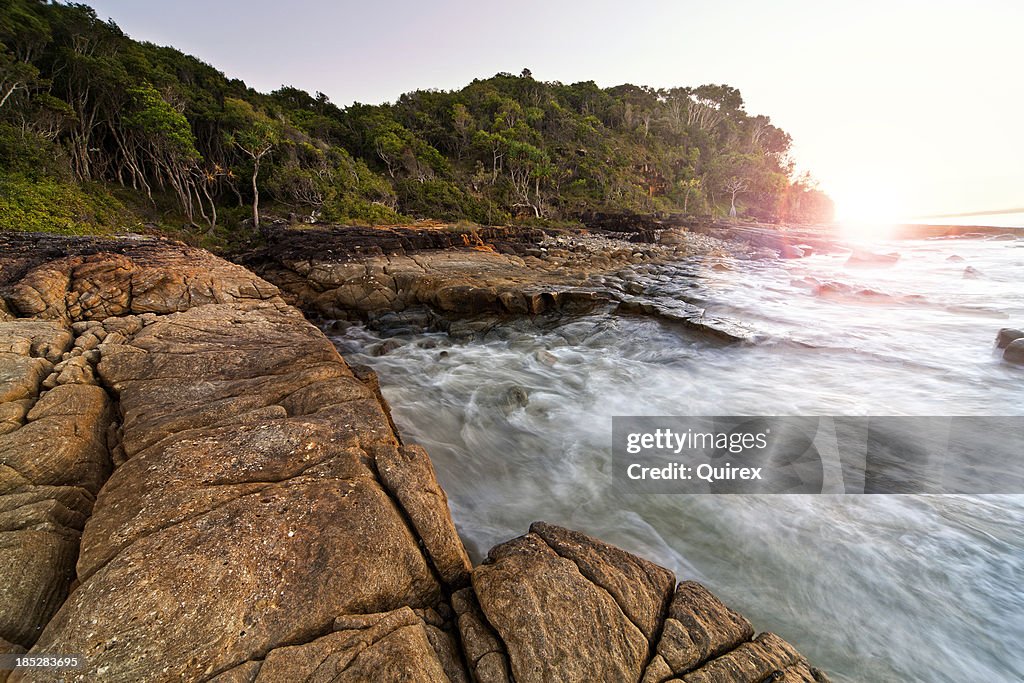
106, 108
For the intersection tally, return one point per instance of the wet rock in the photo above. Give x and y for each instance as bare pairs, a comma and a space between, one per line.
339, 326
385, 347
516, 397
971, 273
955, 259
1007, 335
871, 259
545, 358
1014, 352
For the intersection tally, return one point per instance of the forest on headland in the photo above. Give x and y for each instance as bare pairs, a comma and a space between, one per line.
98, 131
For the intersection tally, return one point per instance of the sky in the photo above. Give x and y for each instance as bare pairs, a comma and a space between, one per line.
900, 108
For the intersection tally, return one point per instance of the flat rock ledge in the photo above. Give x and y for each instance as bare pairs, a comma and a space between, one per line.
195, 486
461, 281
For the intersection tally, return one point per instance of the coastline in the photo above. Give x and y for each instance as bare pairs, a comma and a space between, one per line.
224, 516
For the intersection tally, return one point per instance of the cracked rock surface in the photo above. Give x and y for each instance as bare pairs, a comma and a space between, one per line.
195, 486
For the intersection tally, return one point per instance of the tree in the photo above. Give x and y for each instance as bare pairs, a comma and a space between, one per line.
255, 134
15, 75
157, 138
734, 186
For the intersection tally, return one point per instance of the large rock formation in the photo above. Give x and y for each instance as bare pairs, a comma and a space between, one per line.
195, 486
404, 279
343, 272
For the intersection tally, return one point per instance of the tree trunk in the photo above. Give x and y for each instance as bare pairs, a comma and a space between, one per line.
255, 196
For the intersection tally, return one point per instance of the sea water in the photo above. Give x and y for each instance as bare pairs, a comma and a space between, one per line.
870, 588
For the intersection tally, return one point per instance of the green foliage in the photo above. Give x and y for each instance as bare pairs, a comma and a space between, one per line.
80, 102
30, 155
444, 200
51, 205
157, 121
250, 130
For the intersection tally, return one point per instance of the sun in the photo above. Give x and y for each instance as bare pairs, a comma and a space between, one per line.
868, 214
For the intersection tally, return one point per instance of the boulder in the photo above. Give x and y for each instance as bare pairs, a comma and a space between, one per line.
139, 277
1014, 352
698, 627
1006, 335
870, 259
569, 608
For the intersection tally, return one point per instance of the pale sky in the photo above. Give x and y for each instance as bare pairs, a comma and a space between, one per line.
900, 108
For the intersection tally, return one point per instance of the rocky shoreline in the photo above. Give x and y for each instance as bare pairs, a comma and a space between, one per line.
462, 281
194, 485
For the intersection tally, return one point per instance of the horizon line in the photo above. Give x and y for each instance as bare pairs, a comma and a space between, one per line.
993, 212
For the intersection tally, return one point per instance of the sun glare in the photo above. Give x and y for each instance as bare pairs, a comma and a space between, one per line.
867, 215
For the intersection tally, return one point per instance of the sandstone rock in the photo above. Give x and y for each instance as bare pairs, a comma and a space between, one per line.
484, 652
556, 624
1014, 352
12, 415
381, 647
698, 627
34, 338
63, 443
1007, 335
42, 292
767, 657
38, 567
141, 278
640, 588
49, 470
76, 370
7, 648
20, 376
265, 522
409, 476
253, 457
